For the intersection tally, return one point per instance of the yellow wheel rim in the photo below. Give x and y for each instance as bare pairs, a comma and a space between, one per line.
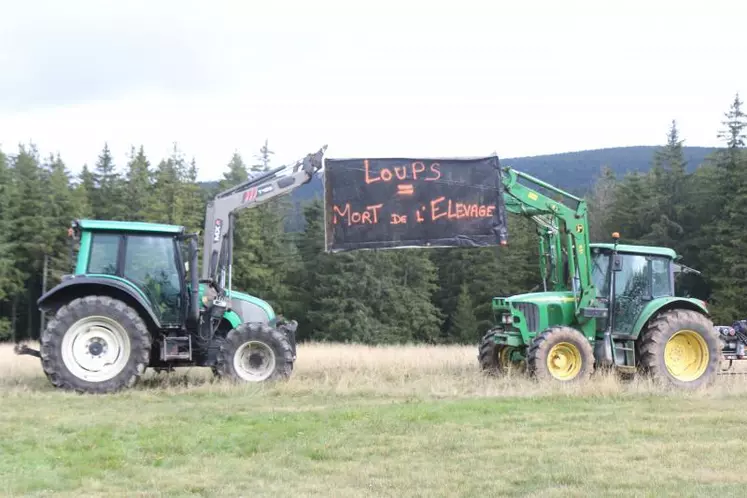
564, 361
504, 357
686, 355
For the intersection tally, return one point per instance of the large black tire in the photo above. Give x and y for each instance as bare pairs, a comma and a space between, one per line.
567, 349
686, 332
494, 358
488, 355
274, 347
94, 327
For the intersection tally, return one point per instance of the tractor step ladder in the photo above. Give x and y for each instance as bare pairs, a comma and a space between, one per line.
623, 345
176, 348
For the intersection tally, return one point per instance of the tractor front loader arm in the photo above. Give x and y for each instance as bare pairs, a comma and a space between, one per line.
564, 235
218, 234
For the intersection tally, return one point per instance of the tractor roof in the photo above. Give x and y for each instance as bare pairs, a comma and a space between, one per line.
128, 226
648, 250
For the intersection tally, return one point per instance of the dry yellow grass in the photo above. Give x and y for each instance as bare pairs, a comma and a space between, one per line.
351, 369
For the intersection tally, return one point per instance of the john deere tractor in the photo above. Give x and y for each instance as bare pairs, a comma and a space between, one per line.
603, 305
135, 300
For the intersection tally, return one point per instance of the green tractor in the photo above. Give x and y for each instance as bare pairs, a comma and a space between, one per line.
603, 305
135, 300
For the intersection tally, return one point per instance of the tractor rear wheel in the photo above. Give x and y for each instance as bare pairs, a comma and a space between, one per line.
680, 348
495, 359
255, 352
95, 344
562, 354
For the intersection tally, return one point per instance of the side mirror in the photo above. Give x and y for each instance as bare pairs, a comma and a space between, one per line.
617, 263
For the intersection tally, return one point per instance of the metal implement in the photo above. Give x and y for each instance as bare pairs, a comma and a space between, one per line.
603, 305
135, 299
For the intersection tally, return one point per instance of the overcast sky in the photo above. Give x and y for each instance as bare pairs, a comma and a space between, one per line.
407, 78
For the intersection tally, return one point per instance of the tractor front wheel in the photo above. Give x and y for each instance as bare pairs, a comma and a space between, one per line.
495, 359
680, 348
255, 352
562, 354
96, 344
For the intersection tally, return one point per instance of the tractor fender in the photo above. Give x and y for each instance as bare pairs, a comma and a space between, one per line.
83, 285
232, 318
663, 304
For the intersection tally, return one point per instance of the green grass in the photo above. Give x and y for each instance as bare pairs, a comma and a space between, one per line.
324, 434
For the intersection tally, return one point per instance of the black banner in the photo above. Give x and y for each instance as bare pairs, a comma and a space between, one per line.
393, 202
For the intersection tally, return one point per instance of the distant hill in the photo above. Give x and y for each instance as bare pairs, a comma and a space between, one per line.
578, 171
575, 172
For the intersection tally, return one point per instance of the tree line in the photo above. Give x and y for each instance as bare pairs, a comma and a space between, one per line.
418, 295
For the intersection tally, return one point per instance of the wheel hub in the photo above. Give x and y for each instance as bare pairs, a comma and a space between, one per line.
564, 361
96, 346
686, 355
95, 349
254, 361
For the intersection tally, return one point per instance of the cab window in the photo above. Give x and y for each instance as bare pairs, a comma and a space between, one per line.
661, 279
150, 263
104, 253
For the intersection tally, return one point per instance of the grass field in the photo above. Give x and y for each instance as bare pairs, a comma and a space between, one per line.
359, 421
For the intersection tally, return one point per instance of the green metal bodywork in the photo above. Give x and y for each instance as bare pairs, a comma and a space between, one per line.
643, 250
129, 226
659, 303
531, 313
88, 227
571, 296
232, 316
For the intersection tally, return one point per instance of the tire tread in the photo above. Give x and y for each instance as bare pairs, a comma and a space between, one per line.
51, 343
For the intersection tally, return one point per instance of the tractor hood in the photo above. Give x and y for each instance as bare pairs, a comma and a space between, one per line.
534, 311
540, 298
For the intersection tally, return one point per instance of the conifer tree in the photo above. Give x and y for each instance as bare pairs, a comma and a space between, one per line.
138, 190
630, 212
61, 210
464, 325
600, 202
728, 267
263, 158
107, 195
305, 281
10, 278
668, 202
29, 227
194, 208
407, 281
733, 133
83, 192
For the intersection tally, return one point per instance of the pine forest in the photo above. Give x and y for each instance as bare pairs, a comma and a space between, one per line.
409, 295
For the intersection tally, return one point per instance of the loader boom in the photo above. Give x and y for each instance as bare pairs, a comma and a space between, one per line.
220, 211
563, 234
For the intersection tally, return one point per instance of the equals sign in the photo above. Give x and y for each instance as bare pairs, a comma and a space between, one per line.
405, 189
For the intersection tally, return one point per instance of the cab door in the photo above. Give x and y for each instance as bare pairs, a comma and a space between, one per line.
152, 262
632, 291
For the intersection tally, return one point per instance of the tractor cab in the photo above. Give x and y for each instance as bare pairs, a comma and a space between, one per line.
640, 274
148, 259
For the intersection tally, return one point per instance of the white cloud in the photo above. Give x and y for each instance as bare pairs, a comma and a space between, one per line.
375, 78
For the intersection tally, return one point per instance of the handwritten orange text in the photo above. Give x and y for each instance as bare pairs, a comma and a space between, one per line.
458, 210
402, 172
398, 219
368, 216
